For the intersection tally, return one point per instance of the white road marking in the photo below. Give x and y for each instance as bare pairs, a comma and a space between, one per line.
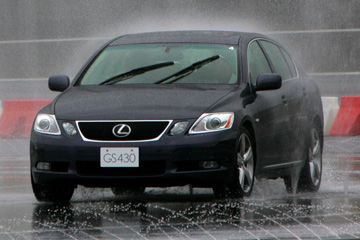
243, 228
272, 219
186, 218
111, 234
113, 220
294, 219
326, 227
162, 222
63, 231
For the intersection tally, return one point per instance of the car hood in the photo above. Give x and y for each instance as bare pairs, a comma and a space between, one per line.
137, 102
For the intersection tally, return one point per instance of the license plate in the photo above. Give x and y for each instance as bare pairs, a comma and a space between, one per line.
119, 157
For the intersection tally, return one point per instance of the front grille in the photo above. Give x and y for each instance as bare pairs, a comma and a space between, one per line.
140, 130
149, 168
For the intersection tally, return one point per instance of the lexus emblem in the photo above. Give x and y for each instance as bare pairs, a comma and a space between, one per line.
121, 130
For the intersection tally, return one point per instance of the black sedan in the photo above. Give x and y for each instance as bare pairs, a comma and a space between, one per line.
207, 108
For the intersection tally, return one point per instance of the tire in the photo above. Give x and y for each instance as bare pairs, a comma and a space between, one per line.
288, 185
310, 175
53, 194
244, 169
128, 192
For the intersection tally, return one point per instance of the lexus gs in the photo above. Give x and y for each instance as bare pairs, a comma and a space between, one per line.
207, 108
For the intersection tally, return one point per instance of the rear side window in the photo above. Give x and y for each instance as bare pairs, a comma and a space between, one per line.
257, 62
290, 62
280, 65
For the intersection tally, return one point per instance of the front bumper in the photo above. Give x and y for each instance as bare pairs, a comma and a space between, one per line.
170, 161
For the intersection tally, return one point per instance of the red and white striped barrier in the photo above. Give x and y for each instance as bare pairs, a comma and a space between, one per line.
17, 117
330, 108
347, 122
1, 109
341, 116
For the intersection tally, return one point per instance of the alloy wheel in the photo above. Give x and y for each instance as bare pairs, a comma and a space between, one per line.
245, 160
315, 158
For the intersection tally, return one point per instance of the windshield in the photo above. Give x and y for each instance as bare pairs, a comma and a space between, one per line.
164, 64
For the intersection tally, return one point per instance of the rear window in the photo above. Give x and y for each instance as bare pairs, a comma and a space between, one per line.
164, 64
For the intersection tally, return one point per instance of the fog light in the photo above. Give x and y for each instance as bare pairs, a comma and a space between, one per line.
69, 128
209, 165
178, 128
43, 166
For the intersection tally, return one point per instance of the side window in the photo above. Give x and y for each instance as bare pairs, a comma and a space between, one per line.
257, 62
277, 59
290, 63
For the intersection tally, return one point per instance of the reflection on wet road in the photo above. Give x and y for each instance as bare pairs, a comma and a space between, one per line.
174, 213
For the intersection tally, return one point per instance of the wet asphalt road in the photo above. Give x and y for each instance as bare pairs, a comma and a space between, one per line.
175, 213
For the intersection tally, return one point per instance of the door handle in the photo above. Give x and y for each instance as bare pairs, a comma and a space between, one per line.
304, 92
284, 99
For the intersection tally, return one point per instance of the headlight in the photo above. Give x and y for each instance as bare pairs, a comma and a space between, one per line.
211, 122
46, 123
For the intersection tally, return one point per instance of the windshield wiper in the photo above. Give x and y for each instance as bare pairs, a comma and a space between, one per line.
135, 72
188, 70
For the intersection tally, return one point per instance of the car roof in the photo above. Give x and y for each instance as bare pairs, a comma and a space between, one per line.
219, 37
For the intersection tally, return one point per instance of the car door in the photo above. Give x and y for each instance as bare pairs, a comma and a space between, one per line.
297, 109
291, 96
269, 112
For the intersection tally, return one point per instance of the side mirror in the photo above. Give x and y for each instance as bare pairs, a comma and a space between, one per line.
268, 81
58, 83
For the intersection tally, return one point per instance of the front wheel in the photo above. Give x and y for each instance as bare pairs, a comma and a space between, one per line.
52, 193
310, 175
243, 180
